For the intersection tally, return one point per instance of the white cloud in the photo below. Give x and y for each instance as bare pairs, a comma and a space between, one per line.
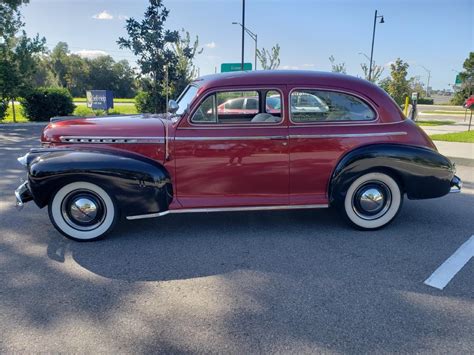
289, 67
104, 15
122, 17
90, 53
211, 45
308, 65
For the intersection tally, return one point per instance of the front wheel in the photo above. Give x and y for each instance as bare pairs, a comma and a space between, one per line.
372, 201
82, 211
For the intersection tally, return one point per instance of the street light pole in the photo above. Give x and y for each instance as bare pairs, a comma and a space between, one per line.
243, 35
253, 36
373, 39
428, 82
255, 53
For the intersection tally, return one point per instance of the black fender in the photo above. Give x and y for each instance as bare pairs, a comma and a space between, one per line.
421, 172
138, 184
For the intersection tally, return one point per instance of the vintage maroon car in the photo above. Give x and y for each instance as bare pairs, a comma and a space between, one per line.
333, 140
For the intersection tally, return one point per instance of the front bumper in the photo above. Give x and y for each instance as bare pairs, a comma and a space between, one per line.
456, 184
22, 195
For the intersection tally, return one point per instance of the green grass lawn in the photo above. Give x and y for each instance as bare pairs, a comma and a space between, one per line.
445, 112
19, 115
81, 110
434, 123
83, 99
463, 137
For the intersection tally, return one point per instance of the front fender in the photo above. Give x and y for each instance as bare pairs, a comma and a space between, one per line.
138, 184
421, 172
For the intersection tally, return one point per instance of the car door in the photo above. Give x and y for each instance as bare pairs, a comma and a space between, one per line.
324, 125
232, 159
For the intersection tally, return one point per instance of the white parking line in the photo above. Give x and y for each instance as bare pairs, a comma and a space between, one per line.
442, 275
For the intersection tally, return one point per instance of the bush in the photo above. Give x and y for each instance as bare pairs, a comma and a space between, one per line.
425, 101
83, 111
43, 103
146, 103
143, 102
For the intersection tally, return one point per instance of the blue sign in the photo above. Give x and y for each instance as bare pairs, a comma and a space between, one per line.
100, 99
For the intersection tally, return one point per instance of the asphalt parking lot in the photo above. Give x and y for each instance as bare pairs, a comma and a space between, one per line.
243, 282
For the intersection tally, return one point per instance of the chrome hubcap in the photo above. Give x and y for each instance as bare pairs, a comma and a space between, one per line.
83, 210
372, 200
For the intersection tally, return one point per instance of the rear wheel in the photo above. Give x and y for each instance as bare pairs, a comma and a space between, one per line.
372, 201
82, 211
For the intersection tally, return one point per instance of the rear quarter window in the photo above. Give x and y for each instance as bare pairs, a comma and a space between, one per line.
326, 105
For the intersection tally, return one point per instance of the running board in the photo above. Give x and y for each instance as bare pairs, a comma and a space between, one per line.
227, 209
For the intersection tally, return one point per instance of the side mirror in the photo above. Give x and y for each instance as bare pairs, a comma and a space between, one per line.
172, 106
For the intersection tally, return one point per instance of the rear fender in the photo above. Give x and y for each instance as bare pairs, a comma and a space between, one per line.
421, 172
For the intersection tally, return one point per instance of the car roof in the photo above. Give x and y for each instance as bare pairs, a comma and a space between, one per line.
279, 77
304, 78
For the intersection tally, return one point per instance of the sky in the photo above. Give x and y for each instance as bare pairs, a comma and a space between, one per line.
434, 34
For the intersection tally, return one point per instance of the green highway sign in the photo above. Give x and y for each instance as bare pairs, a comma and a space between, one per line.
458, 80
227, 67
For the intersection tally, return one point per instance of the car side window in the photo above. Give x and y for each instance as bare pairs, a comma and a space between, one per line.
273, 103
243, 106
206, 112
325, 105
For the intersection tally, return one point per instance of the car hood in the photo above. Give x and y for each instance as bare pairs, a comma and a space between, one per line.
133, 126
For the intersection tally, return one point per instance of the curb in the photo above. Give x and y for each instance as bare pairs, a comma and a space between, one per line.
25, 124
462, 161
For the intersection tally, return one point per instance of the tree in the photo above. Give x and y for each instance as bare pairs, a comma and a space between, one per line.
416, 86
18, 56
377, 71
337, 67
269, 59
79, 74
397, 85
152, 43
467, 77
185, 52
105, 73
59, 62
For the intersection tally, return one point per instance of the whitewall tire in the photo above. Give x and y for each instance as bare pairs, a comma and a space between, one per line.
372, 201
82, 211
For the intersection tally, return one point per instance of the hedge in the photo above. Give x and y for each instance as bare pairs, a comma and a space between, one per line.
43, 103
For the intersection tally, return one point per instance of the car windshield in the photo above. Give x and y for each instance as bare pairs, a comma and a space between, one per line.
185, 99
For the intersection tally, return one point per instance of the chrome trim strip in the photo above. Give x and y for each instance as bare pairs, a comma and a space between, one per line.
237, 138
228, 209
347, 135
229, 126
110, 140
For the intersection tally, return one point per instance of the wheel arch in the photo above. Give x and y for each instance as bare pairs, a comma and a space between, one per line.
420, 172
138, 184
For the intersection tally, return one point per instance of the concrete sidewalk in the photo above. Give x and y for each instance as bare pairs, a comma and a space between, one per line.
453, 149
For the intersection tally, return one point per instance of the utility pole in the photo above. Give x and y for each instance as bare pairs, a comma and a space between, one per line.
428, 82
243, 35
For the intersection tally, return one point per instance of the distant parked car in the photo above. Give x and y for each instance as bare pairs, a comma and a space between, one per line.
294, 140
469, 103
247, 105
